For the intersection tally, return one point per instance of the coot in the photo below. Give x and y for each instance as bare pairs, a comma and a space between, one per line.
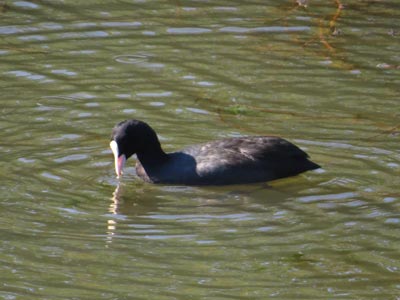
226, 161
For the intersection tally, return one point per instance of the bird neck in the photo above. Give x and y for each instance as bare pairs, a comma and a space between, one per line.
152, 157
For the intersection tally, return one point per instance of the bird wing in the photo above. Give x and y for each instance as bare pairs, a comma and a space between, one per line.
221, 155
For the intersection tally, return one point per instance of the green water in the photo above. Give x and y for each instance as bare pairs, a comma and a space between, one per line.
325, 76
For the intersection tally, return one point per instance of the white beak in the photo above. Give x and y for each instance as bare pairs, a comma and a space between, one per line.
119, 161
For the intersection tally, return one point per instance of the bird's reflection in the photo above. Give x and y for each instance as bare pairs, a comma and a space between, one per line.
115, 200
138, 200
113, 209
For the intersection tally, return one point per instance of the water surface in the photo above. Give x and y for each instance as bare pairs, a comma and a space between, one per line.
324, 75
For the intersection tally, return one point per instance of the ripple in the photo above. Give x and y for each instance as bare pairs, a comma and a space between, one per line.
157, 103
356, 203
26, 4
71, 97
198, 110
29, 75
206, 242
131, 58
85, 34
205, 83
36, 37
71, 211
51, 26
121, 24
233, 29
265, 228
92, 104
189, 8
225, 8
154, 94
148, 33
392, 221
69, 158
188, 30
64, 72
189, 77
26, 160
51, 176
129, 111
86, 52
84, 114
66, 137
123, 96
202, 217
16, 29
342, 145
316, 198
140, 60
171, 236
389, 199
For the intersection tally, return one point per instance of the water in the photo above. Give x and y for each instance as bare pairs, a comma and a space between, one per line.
325, 76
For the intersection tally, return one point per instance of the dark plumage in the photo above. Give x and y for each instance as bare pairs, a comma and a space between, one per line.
226, 161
